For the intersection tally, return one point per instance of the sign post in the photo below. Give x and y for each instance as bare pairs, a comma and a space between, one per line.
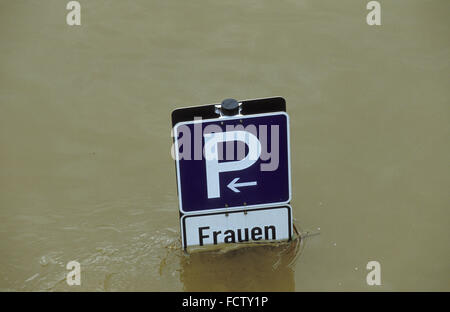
233, 172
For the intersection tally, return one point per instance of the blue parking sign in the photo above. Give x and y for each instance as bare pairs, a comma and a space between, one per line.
233, 162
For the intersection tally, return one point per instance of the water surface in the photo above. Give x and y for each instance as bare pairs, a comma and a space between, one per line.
86, 172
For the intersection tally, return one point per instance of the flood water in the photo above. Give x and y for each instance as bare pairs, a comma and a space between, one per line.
86, 171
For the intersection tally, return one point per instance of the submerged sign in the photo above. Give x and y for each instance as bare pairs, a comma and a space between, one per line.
233, 162
233, 172
264, 224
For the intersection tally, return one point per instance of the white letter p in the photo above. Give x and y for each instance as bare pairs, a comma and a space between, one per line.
213, 167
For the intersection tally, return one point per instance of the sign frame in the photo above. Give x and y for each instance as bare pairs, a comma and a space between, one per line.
247, 107
241, 207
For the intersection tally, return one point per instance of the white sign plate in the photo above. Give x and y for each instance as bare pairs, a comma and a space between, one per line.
263, 224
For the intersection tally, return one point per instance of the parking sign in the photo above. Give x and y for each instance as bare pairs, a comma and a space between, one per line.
233, 162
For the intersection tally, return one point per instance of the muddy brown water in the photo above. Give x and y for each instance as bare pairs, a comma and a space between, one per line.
86, 172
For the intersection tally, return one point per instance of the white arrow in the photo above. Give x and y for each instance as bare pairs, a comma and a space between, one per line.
233, 185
